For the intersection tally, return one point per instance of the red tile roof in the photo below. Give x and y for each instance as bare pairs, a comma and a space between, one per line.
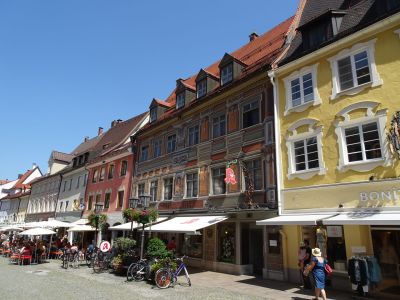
255, 54
116, 135
4, 181
19, 184
61, 156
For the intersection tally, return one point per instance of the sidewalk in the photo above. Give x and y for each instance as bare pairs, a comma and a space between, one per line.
262, 288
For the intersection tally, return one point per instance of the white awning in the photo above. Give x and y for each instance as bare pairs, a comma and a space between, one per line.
127, 226
82, 228
294, 220
188, 225
364, 218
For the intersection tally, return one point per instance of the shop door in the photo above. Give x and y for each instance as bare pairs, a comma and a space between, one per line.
256, 251
386, 243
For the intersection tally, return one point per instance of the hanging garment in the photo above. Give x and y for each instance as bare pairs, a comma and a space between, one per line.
374, 270
358, 271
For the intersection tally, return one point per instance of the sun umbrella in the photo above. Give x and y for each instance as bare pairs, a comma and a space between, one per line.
81, 228
11, 228
56, 224
37, 231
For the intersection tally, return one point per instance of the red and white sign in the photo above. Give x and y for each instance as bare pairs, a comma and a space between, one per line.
105, 246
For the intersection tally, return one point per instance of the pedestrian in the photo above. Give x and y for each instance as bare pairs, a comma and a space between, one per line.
317, 266
171, 245
306, 262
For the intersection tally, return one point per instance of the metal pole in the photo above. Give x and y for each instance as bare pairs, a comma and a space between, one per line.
97, 225
142, 247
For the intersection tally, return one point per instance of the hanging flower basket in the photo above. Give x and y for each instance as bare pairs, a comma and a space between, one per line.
101, 221
141, 216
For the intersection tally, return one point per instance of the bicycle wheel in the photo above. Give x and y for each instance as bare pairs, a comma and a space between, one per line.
163, 278
129, 273
139, 271
88, 260
97, 265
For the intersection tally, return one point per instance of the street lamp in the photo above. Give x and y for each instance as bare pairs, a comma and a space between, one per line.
98, 207
144, 200
133, 202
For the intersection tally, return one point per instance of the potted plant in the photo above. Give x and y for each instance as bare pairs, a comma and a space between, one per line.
124, 248
156, 249
117, 264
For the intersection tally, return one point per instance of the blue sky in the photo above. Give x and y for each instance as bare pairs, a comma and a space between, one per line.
68, 67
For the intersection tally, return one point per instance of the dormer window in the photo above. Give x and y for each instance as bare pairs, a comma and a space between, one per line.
226, 74
153, 114
201, 88
180, 100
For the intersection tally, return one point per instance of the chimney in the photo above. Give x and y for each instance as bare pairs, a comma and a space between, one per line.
253, 36
100, 131
113, 123
86, 139
19, 176
119, 121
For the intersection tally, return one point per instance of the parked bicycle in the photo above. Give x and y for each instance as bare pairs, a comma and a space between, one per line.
101, 261
70, 258
166, 276
139, 270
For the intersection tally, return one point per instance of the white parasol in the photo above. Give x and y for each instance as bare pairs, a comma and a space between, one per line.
37, 231
81, 228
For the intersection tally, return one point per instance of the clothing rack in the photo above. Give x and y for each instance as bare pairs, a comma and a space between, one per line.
364, 272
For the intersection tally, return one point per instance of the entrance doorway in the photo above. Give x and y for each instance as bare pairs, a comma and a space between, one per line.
252, 247
386, 243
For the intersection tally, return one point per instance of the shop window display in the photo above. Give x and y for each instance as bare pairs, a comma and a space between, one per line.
193, 245
227, 242
331, 241
386, 242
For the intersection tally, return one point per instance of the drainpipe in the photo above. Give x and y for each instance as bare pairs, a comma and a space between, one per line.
278, 171
284, 254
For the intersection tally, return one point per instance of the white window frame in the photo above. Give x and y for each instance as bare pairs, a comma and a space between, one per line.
293, 136
376, 80
163, 188
211, 180
156, 190
288, 89
380, 117
144, 188
198, 185
180, 100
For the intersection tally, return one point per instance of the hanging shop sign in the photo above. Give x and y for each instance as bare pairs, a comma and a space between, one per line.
230, 177
105, 246
393, 135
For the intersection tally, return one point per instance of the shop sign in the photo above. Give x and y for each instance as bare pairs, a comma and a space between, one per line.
359, 249
273, 243
105, 246
391, 195
334, 231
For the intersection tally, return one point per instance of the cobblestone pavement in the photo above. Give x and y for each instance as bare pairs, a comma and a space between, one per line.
50, 281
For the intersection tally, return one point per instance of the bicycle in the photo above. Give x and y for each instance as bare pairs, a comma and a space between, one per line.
101, 262
165, 277
139, 270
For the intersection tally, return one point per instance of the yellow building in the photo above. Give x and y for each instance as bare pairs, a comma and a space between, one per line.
337, 97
